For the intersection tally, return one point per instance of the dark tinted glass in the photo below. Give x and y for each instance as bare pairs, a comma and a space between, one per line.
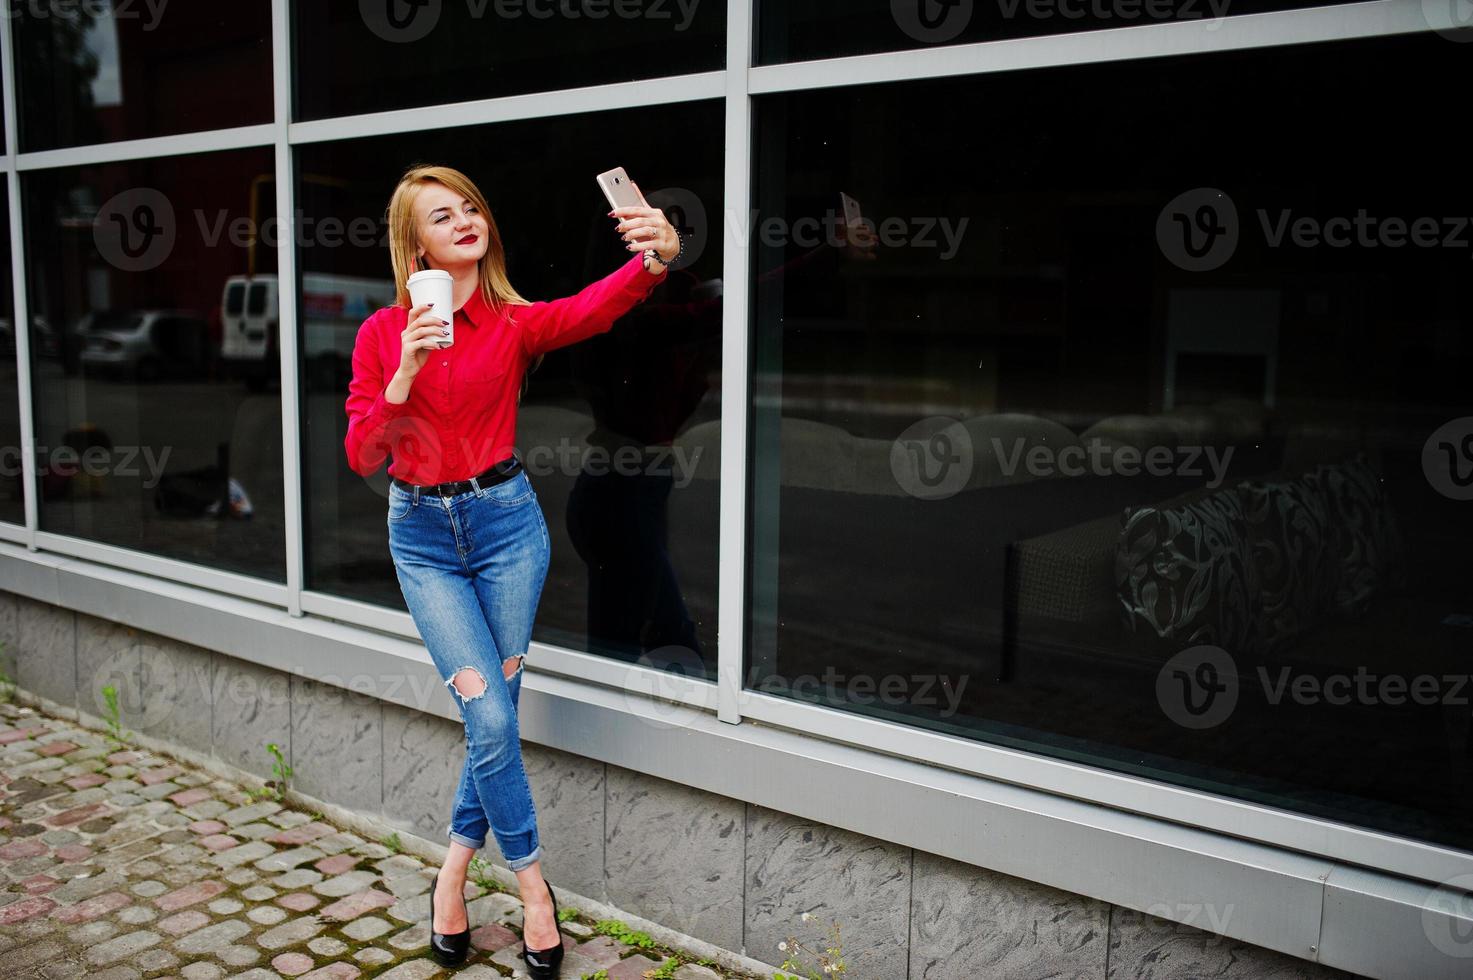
12, 482
834, 28
95, 73
634, 561
153, 429
429, 53
1131, 433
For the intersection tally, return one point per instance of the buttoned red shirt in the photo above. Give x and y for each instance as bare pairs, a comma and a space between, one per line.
460, 416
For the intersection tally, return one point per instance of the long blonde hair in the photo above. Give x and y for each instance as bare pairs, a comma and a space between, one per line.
496, 289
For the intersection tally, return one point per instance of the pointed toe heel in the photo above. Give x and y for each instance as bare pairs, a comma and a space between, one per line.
448, 948
543, 964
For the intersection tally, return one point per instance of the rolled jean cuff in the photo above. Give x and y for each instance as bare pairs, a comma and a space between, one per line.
462, 839
527, 861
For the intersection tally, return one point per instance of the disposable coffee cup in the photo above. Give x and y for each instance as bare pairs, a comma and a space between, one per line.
433, 286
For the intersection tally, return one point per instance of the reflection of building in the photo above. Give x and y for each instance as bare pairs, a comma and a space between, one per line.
952, 619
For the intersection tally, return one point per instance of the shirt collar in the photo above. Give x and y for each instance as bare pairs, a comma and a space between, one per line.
477, 311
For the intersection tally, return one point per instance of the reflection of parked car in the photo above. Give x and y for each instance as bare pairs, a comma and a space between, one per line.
43, 338
333, 308
147, 344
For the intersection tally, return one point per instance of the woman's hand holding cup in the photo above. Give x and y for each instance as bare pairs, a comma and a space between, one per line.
423, 334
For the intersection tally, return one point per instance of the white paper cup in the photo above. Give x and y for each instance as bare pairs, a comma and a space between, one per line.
433, 286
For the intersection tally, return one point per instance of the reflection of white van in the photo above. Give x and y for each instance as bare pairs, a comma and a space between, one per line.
333, 308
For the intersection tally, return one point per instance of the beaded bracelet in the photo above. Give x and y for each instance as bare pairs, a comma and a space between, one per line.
649, 252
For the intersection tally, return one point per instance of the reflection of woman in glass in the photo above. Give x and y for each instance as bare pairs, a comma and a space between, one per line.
466, 532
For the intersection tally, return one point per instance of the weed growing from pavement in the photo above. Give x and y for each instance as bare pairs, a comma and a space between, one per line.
115, 731
276, 788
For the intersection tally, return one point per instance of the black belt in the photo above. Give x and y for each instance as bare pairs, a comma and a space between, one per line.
498, 473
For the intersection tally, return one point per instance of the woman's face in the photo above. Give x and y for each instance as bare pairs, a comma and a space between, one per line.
452, 230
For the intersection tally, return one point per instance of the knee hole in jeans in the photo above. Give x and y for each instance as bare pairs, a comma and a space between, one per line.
512, 673
468, 683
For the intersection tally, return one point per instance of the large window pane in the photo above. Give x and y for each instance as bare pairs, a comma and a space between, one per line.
633, 569
98, 72
144, 440
429, 53
12, 496
836, 28
1142, 433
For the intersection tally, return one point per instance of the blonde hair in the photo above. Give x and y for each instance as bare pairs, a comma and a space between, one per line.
496, 289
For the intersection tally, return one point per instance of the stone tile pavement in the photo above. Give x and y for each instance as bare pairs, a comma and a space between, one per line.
119, 865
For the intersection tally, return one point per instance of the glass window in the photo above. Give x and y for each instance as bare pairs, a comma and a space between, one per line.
12, 496
98, 72
836, 28
154, 428
634, 562
1127, 432
430, 53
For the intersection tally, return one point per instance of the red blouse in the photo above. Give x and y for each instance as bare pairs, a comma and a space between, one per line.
460, 417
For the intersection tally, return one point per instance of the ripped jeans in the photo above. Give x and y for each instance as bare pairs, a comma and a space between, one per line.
471, 568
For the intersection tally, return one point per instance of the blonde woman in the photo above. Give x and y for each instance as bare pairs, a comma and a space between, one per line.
466, 532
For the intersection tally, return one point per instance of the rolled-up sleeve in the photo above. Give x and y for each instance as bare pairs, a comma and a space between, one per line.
546, 326
369, 413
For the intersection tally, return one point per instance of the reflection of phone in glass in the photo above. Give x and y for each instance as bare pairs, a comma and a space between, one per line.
852, 216
618, 189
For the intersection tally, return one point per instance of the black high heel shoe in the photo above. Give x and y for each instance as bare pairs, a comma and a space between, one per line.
542, 964
449, 948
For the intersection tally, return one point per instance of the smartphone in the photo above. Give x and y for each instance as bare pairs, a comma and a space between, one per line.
618, 189
850, 206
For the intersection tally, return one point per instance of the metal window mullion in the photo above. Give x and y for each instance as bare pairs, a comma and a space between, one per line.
732, 559
649, 92
286, 314
148, 148
1310, 25
20, 312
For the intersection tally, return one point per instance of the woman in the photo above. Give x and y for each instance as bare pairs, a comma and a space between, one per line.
466, 533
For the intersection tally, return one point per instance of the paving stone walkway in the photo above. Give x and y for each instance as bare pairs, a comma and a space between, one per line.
123, 864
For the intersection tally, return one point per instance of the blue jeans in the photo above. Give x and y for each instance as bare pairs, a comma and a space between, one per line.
471, 568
